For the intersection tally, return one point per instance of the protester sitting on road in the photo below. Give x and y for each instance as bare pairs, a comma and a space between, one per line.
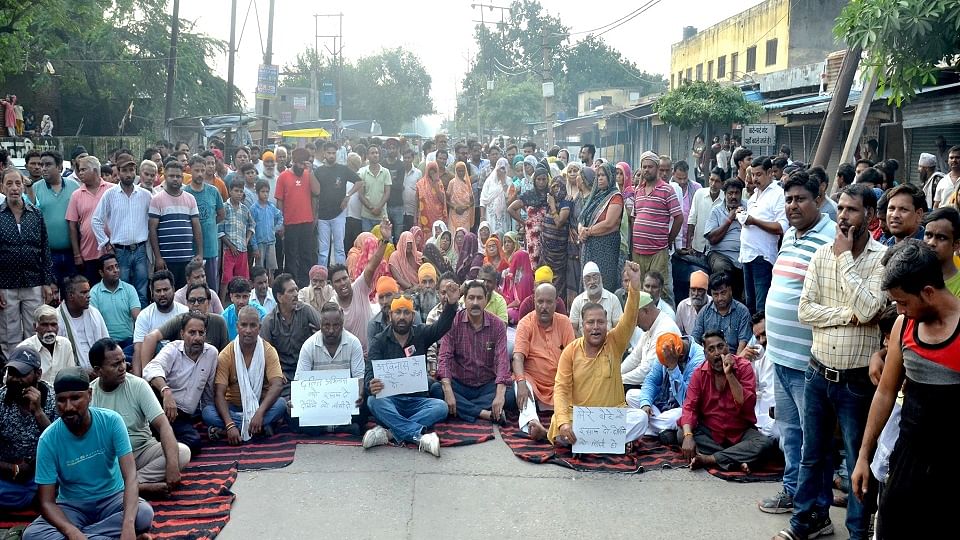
594, 293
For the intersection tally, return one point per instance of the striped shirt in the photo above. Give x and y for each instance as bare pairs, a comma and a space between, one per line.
788, 341
125, 216
836, 289
175, 227
653, 214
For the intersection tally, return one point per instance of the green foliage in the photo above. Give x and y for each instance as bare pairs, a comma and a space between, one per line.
906, 40
511, 55
108, 54
392, 86
696, 103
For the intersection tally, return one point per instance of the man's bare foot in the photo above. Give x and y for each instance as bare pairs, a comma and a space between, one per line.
157, 490
745, 468
701, 461
537, 431
485, 415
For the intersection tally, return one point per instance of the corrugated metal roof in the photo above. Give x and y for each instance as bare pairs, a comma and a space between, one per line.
823, 105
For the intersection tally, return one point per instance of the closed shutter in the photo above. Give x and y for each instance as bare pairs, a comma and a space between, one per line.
923, 139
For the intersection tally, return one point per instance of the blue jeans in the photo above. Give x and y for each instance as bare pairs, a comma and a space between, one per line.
133, 270
788, 392
212, 267
14, 495
327, 229
825, 403
407, 416
757, 275
63, 266
395, 213
471, 400
101, 518
367, 224
212, 418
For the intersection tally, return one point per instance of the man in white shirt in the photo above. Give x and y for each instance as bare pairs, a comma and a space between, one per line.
80, 322
765, 223
948, 180
653, 284
654, 324
262, 295
689, 308
411, 175
54, 350
766, 378
122, 212
703, 201
153, 316
594, 292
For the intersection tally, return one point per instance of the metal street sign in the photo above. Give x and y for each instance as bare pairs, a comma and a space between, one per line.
268, 78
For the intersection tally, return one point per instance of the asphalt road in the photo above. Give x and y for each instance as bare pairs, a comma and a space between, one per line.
483, 491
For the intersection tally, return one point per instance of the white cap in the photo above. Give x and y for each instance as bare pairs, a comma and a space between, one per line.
590, 268
927, 160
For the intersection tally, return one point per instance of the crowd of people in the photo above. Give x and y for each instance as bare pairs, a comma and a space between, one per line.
748, 315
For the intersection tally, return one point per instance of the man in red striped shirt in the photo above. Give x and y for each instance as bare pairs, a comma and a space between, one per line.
657, 218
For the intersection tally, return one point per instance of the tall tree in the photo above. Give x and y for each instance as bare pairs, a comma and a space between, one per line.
697, 103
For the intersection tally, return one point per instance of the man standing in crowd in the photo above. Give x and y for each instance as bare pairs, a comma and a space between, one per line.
80, 210
332, 205
123, 212
762, 229
174, 219
295, 190
657, 220
52, 197
905, 209
942, 234
211, 212
376, 190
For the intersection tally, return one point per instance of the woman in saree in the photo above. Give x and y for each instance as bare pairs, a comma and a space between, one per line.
493, 254
470, 258
419, 239
405, 262
534, 201
354, 255
600, 223
584, 180
432, 255
625, 185
370, 246
555, 233
511, 244
483, 234
517, 284
431, 197
438, 228
460, 199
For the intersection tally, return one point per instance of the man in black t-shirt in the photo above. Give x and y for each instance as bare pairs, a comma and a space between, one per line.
332, 203
393, 164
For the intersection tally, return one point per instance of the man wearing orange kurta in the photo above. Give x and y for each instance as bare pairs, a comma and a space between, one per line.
541, 336
588, 373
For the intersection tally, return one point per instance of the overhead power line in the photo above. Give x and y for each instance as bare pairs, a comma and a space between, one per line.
621, 20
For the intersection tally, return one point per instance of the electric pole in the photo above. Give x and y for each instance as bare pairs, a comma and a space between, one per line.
831, 126
230, 61
547, 92
172, 62
337, 53
267, 61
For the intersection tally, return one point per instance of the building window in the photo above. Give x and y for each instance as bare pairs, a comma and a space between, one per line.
710, 70
679, 77
752, 59
689, 74
722, 67
771, 51
733, 65
699, 72
673, 81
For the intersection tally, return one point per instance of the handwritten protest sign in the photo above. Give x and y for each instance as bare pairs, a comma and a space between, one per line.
401, 375
599, 430
323, 374
324, 402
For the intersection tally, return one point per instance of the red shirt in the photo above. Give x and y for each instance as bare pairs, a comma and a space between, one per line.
716, 409
294, 192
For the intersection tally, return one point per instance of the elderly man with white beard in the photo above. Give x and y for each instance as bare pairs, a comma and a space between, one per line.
595, 293
55, 351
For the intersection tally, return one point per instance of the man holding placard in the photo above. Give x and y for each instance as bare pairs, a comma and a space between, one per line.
718, 419
472, 365
588, 374
407, 416
247, 385
334, 352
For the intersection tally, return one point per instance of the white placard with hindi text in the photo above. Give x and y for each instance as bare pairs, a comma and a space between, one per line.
325, 402
401, 375
599, 430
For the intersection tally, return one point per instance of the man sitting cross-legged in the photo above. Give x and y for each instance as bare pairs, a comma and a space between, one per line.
664, 389
86, 473
541, 336
158, 462
407, 416
718, 418
247, 386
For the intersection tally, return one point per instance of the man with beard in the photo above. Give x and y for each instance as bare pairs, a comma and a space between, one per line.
937, 186
406, 417
294, 195
594, 293
123, 213
153, 316
199, 298
80, 322
722, 233
247, 387
333, 348
789, 341
841, 299
718, 419
425, 295
724, 314
332, 206
80, 209
905, 208
174, 221
654, 323
158, 462
288, 326
54, 350
690, 307
116, 300
318, 292
541, 337
26, 409
657, 219
762, 229
352, 297
86, 474
182, 375
387, 290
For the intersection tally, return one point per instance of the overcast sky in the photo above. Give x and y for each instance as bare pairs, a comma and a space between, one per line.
440, 31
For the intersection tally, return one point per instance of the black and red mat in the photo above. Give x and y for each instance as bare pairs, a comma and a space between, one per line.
197, 510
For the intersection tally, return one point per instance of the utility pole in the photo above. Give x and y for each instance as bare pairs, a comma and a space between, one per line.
267, 60
547, 91
172, 62
831, 126
859, 119
230, 61
337, 53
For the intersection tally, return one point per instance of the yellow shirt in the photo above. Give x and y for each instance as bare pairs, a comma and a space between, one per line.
592, 382
227, 372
